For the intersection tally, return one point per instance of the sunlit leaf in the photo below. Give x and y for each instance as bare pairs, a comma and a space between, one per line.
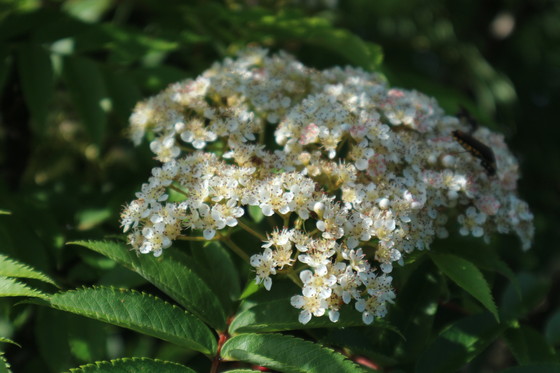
10, 287
4, 365
172, 277
133, 365
87, 10
12, 268
255, 213
89, 218
286, 354
280, 315
140, 312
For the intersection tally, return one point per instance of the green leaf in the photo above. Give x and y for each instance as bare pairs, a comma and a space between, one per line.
4, 365
37, 81
158, 77
7, 340
370, 341
459, 344
415, 309
87, 10
121, 277
85, 82
140, 312
172, 277
87, 338
529, 346
319, 31
12, 268
280, 315
214, 264
484, 259
133, 365
251, 288
19, 235
10, 287
89, 218
515, 304
286, 354
124, 92
466, 275
52, 26
552, 329
51, 335
130, 46
256, 214
534, 368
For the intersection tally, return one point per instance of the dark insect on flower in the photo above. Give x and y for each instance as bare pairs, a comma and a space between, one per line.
257, 161
478, 150
465, 116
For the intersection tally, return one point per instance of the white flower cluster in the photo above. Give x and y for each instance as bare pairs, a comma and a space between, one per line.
361, 174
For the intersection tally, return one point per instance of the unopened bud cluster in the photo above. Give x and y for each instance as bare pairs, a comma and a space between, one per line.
359, 174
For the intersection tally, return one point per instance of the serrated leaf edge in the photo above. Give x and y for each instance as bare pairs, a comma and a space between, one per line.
40, 294
166, 289
102, 317
335, 354
40, 275
6, 363
8, 340
100, 364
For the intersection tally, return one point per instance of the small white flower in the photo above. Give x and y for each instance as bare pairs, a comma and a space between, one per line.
265, 266
472, 222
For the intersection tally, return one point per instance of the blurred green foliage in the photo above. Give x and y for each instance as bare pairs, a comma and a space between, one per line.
71, 71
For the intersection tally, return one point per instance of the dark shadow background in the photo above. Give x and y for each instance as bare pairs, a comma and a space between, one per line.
66, 167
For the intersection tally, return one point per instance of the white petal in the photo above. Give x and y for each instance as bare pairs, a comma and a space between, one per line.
308, 291
367, 318
267, 283
306, 275
297, 301
255, 260
304, 317
361, 164
267, 210
209, 233
334, 315
304, 214
477, 232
